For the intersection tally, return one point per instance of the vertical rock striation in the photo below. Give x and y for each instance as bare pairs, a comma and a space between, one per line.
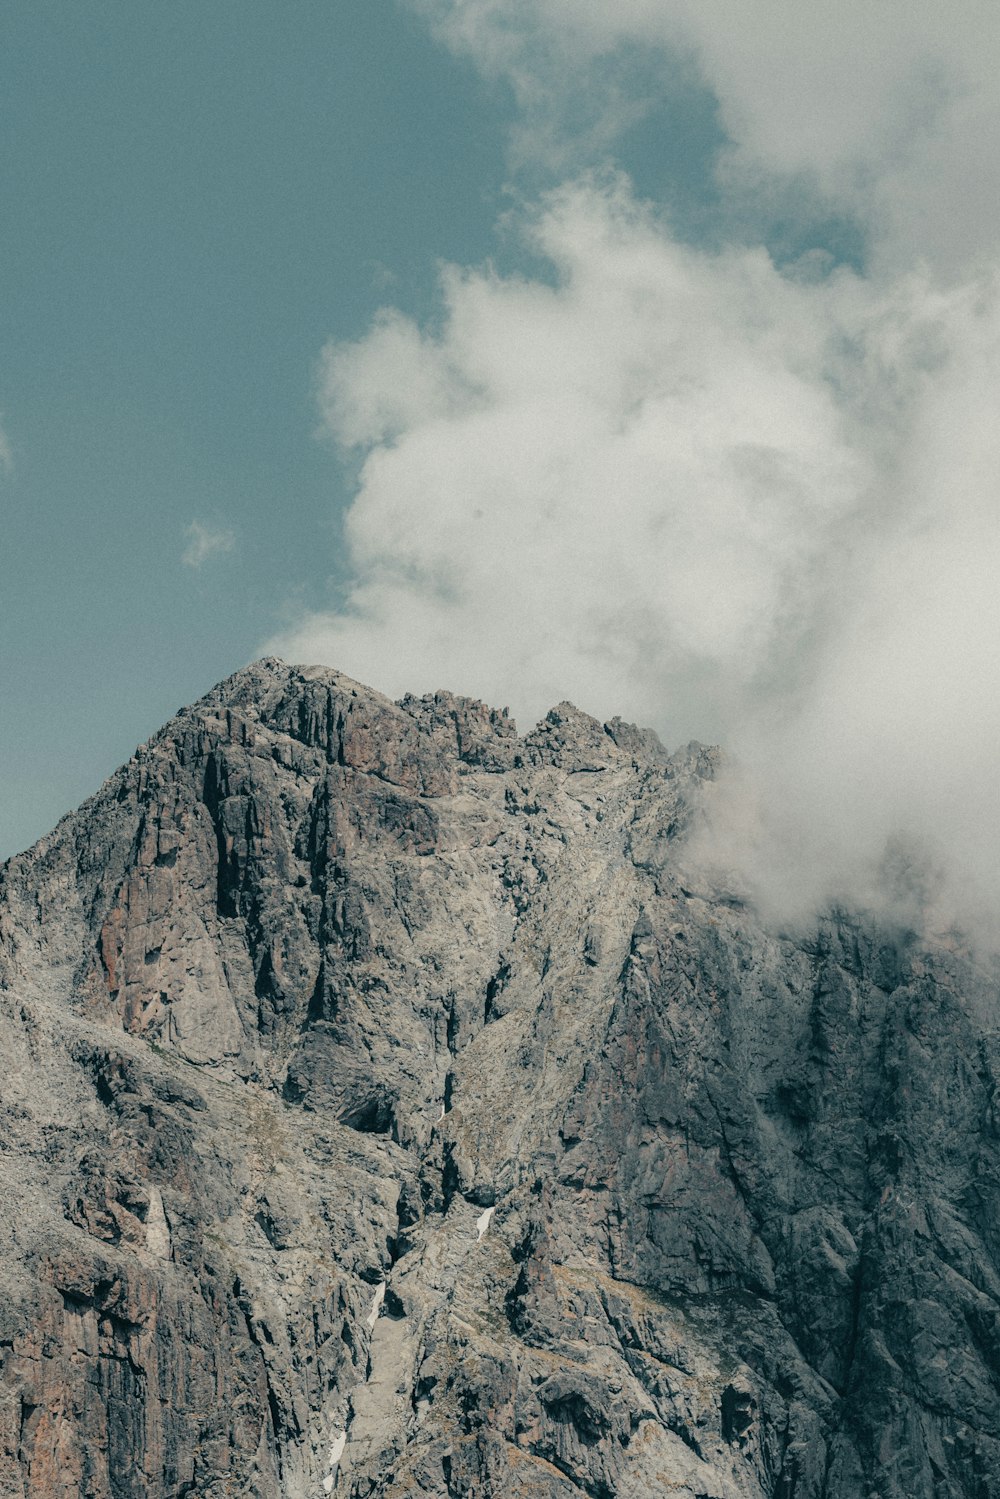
387, 1111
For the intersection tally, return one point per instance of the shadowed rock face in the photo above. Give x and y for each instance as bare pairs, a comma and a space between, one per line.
387, 1112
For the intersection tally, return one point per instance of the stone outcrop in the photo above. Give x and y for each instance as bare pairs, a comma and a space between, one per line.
388, 1109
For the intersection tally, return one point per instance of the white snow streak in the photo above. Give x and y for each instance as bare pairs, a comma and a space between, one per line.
336, 1453
377, 1301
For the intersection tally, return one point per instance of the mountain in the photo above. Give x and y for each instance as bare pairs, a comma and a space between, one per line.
390, 1108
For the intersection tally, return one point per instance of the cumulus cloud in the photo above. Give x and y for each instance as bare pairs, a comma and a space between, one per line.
750, 503
205, 542
631, 478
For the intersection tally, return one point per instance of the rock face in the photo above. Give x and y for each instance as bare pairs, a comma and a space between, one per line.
387, 1110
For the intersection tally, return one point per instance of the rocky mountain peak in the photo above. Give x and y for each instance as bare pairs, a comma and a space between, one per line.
387, 1112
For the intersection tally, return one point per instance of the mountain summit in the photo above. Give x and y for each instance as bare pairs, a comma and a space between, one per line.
389, 1110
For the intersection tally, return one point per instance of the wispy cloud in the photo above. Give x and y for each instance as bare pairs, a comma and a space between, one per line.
205, 542
890, 111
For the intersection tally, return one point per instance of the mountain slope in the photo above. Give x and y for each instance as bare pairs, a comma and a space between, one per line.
389, 1111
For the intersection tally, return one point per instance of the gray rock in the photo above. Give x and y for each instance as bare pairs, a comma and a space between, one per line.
388, 1111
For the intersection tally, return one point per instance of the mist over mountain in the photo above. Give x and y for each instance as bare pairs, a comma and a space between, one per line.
397, 1105
726, 467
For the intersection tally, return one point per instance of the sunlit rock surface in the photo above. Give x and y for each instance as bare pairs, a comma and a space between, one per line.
387, 1110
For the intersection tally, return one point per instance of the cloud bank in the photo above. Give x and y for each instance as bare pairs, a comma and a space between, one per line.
740, 502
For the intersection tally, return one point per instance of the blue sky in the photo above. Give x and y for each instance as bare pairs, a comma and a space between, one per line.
646, 354
195, 198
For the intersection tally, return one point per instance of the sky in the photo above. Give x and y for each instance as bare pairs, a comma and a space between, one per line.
646, 355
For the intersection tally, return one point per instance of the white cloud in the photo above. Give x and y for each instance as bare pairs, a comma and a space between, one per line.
889, 109
893, 738
636, 469
205, 542
698, 492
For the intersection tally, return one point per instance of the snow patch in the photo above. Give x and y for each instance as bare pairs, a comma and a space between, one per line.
377, 1301
483, 1222
336, 1453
